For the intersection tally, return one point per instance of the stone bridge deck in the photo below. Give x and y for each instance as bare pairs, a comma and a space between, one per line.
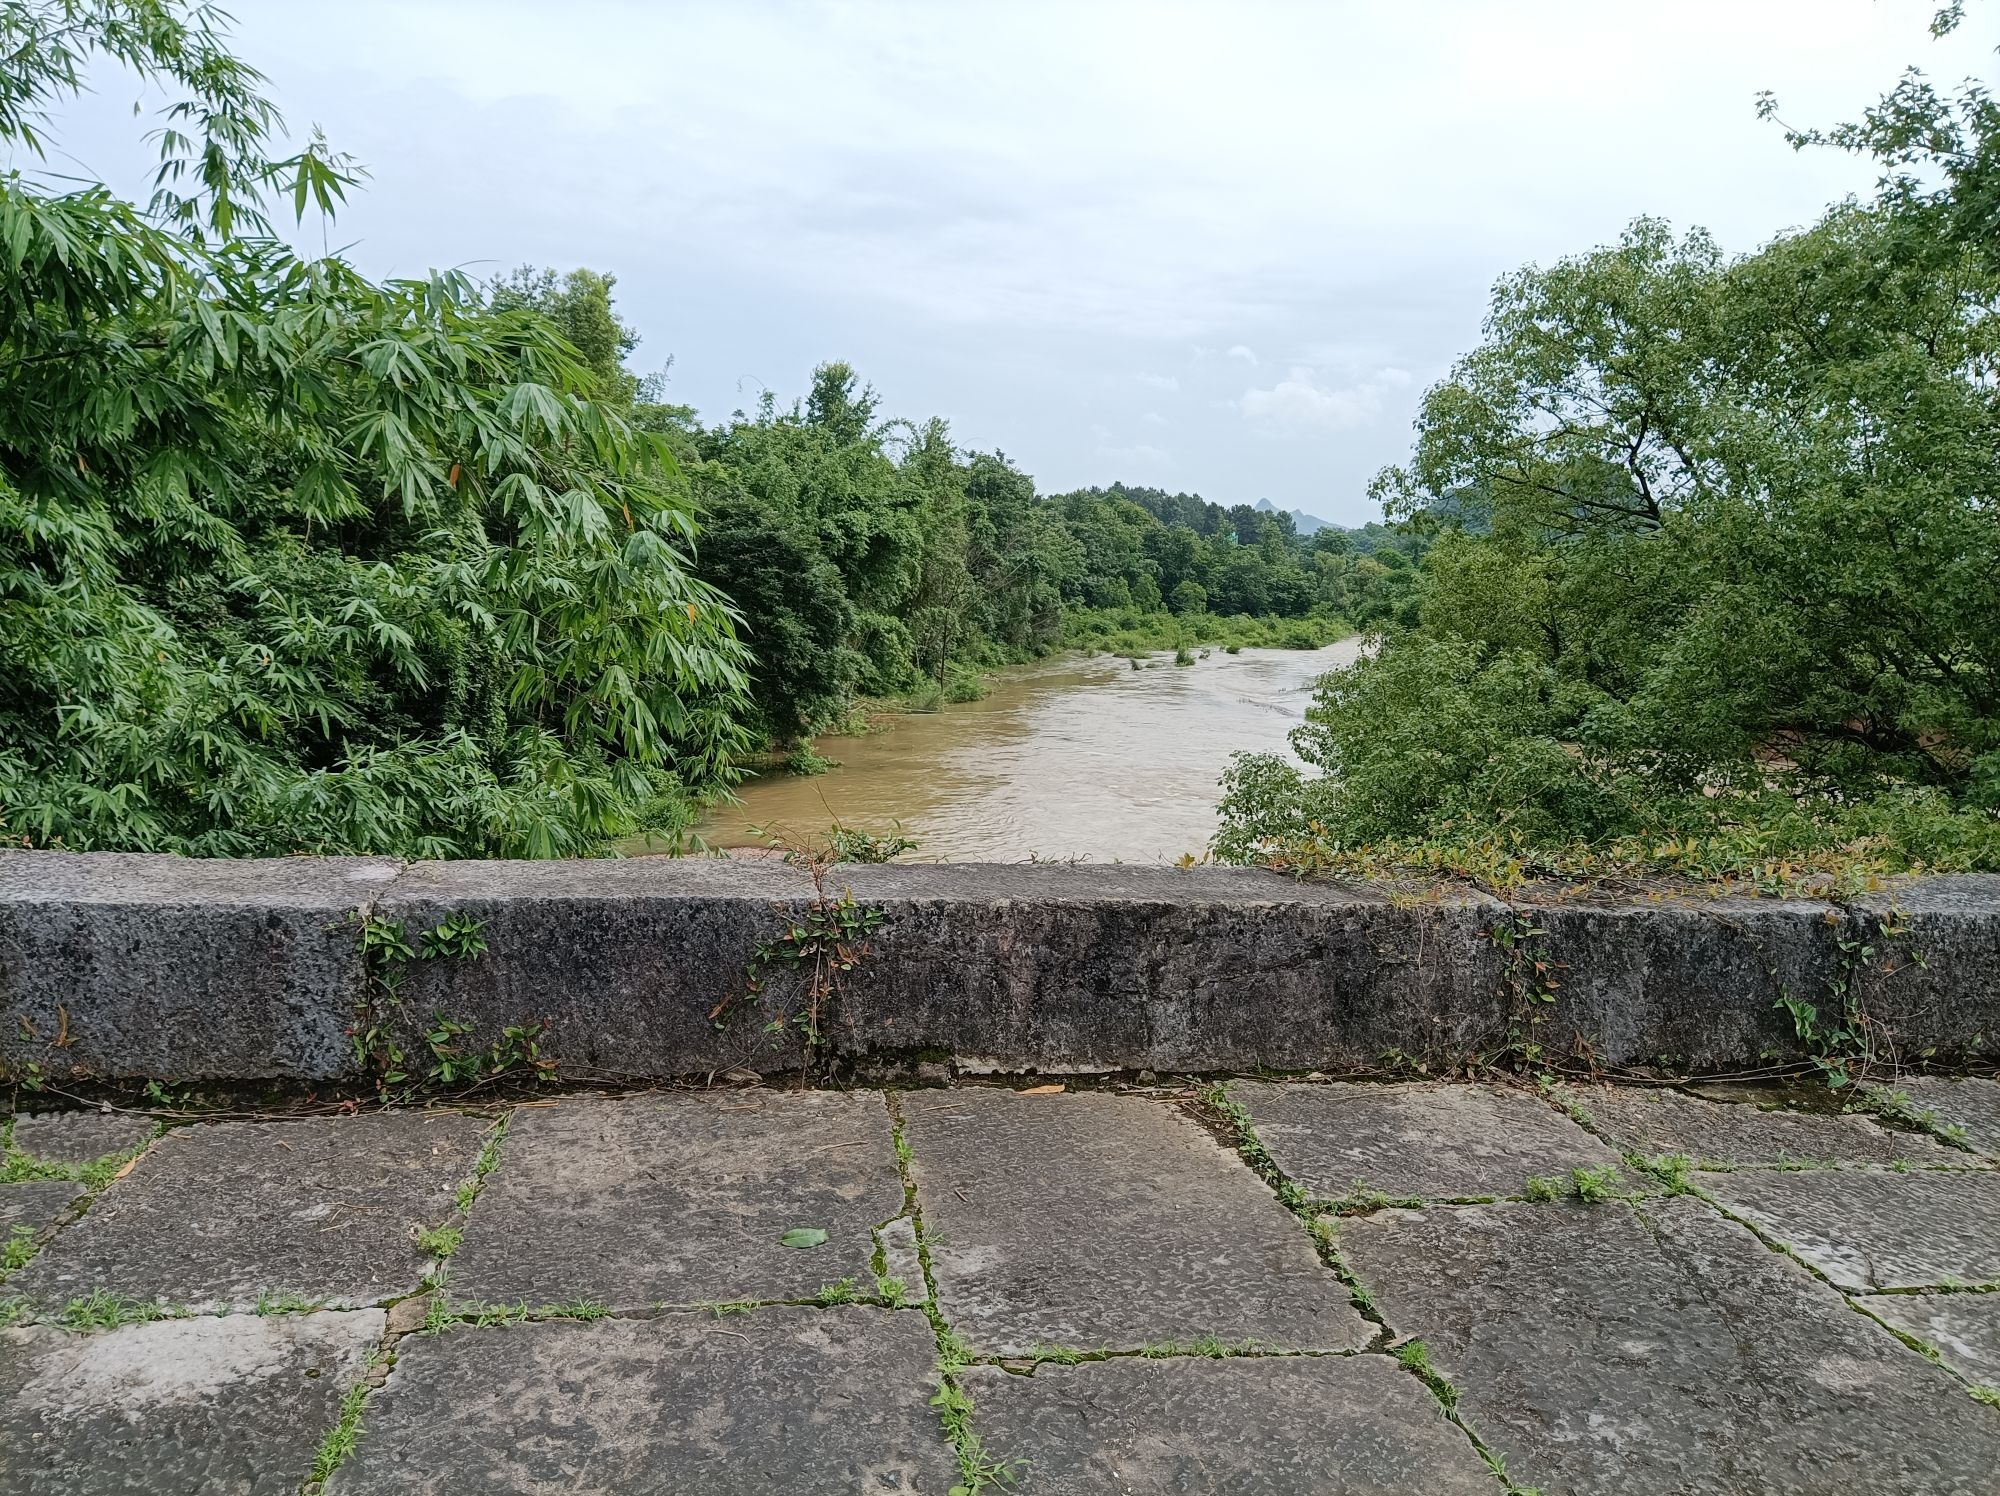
1255, 1288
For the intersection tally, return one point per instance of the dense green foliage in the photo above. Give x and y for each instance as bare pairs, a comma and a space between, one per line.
290, 560
869, 557
1717, 570
295, 561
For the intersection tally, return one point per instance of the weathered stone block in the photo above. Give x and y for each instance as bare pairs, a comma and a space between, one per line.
627, 960
682, 1199
833, 1400
34, 1203
225, 1407
1057, 968
1662, 1351
1867, 1230
1967, 1108
80, 1137
1103, 1221
1256, 1426
1728, 1133
1434, 1141
1934, 978
215, 1216
126, 965
1692, 983
1963, 1328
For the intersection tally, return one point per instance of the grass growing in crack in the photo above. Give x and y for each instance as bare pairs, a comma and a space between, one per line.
978, 1469
283, 1302
1674, 1171
1059, 1355
1591, 1186
1320, 1226
1416, 1358
341, 1439
489, 1159
17, 1166
1498, 1465
1555, 1092
14, 1312
1251, 1148
1984, 1394
846, 1291
892, 1290
439, 1241
18, 1250
486, 1316
101, 1309
1594, 1186
1208, 1345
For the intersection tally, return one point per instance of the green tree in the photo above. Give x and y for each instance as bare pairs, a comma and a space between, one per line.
1717, 545
293, 561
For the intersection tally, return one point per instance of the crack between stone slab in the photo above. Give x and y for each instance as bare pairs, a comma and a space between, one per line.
978, 1469
74, 1211
1233, 1123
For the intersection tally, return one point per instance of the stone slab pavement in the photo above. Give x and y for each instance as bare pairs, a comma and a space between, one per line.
1256, 1288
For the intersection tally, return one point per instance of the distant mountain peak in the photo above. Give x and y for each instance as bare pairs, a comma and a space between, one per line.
1306, 524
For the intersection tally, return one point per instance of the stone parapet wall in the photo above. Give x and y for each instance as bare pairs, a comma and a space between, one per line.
129, 966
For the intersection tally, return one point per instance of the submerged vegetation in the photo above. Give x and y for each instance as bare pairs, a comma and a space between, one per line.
1713, 581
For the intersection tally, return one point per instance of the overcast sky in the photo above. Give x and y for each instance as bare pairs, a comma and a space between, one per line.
1216, 247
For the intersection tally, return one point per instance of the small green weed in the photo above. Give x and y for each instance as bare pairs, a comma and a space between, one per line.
846, 1291
439, 1241
456, 937
285, 1302
101, 1309
341, 1439
977, 1468
1058, 1355
1243, 1130
489, 1159
1593, 1186
18, 1249
1543, 1190
1673, 1170
1209, 1346
488, 1316
1416, 1357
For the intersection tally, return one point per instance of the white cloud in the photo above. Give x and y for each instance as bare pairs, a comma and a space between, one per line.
1301, 400
1006, 233
1141, 455
1152, 418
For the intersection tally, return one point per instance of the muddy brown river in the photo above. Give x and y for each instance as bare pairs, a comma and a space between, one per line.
1076, 758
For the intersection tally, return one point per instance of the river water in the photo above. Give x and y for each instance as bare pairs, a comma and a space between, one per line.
1075, 758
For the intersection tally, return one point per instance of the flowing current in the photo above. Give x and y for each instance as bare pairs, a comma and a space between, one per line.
1076, 758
